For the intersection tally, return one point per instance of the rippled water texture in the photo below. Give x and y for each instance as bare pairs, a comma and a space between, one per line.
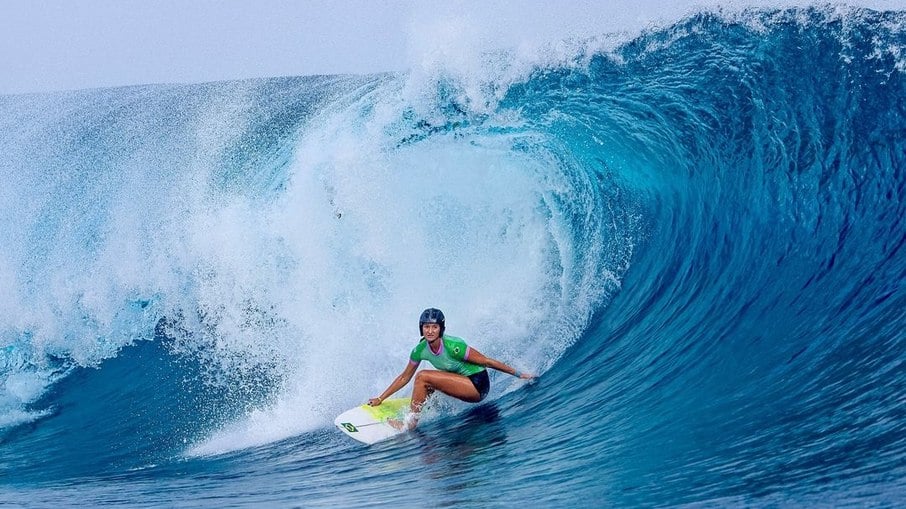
696, 238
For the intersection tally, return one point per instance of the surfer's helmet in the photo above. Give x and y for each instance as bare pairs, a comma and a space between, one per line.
432, 315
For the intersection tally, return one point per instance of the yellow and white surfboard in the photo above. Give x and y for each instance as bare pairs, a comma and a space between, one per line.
368, 424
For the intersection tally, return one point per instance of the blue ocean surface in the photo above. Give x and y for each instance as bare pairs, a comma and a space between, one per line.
694, 236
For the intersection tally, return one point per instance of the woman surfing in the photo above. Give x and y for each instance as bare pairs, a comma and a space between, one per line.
461, 370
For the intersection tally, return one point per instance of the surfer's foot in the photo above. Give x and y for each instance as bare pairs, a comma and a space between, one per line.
406, 424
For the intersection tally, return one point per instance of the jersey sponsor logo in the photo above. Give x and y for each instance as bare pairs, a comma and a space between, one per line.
349, 427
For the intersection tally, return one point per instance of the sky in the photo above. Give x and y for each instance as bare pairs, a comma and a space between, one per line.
51, 45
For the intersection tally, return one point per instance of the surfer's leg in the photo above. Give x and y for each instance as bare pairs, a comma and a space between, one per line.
426, 382
451, 384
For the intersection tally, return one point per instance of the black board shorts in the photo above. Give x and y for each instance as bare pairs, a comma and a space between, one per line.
482, 383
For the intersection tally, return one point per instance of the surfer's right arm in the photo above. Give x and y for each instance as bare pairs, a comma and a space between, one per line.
398, 383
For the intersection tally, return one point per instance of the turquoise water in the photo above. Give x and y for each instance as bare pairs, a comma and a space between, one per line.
695, 238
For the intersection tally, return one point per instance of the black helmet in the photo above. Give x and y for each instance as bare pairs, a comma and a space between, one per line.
432, 315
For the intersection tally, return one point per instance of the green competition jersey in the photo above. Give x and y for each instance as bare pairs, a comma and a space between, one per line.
453, 356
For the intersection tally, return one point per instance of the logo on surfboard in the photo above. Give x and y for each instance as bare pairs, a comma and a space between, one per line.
349, 427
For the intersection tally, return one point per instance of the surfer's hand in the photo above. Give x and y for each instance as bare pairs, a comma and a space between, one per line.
523, 376
375, 402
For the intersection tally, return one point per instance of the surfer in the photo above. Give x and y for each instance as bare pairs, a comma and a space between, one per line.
460, 370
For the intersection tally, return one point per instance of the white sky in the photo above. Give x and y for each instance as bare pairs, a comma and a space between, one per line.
48, 45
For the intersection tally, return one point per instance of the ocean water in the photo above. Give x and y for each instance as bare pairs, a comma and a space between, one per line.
694, 235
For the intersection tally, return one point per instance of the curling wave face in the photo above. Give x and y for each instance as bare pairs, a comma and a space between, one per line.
699, 245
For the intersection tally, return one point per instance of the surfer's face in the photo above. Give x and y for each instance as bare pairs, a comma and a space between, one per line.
431, 331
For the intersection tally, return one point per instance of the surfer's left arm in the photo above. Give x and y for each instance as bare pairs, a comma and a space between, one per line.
398, 383
476, 357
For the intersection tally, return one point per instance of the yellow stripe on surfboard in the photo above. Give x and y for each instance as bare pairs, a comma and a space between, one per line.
388, 409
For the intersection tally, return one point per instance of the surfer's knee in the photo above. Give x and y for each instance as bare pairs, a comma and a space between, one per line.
424, 378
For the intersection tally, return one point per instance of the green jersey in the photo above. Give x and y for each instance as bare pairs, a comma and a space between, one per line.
453, 356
